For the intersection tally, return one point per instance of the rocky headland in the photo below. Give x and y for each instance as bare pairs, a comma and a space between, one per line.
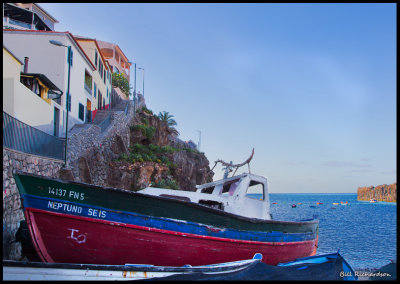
382, 192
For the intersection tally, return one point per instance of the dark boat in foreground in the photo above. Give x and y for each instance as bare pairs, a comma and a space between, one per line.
315, 268
72, 222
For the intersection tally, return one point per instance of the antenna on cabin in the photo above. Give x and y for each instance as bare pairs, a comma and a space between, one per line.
229, 166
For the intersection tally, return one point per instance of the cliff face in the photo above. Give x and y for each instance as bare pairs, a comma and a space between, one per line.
152, 161
382, 192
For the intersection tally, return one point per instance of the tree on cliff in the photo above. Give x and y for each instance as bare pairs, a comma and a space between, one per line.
168, 118
119, 81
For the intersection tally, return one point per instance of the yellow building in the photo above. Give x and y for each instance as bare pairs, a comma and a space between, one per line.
102, 76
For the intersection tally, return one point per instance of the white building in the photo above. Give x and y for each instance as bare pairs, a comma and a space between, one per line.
51, 60
27, 16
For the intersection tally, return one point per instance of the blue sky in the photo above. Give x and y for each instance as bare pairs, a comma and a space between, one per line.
312, 87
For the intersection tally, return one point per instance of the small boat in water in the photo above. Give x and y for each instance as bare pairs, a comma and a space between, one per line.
22, 270
294, 206
372, 200
73, 222
313, 206
319, 203
343, 203
335, 203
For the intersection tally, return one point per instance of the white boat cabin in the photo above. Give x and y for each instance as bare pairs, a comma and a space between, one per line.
245, 195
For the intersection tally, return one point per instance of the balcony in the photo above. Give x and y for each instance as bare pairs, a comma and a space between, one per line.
15, 24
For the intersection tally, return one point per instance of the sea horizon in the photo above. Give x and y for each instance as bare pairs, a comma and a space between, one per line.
350, 193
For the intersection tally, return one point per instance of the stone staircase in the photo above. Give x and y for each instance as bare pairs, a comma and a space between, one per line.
103, 114
120, 106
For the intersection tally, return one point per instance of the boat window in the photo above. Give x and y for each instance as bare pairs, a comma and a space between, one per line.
212, 204
229, 187
255, 190
208, 190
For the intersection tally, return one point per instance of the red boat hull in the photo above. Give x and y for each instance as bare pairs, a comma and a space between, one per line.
105, 242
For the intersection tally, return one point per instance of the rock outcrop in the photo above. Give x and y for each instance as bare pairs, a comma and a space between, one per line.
184, 168
382, 192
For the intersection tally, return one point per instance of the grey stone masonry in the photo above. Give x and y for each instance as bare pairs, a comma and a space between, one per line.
12, 211
90, 150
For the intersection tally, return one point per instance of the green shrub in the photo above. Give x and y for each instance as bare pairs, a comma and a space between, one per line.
123, 157
147, 131
164, 159
146, 110
118, 80
154, 148
168, 149
145, 121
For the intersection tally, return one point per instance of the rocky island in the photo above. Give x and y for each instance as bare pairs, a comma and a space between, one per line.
384, 192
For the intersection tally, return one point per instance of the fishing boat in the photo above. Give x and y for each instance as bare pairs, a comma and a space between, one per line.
23, 270
73, 222
335, 203
344, 203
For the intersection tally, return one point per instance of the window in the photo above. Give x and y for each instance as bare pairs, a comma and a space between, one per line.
229, 187
88, 82
208, 190
71, 57
104, 78
95, 58
255, 190
81, 114
99, 100
95, 90
101, 69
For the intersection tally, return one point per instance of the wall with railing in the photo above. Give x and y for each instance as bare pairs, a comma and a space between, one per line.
24, 138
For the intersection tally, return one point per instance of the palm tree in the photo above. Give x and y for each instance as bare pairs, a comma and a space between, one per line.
168, 118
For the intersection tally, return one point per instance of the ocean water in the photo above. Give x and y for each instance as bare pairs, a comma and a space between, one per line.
364, 232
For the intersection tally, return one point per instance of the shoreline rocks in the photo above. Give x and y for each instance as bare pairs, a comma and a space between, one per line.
383, 192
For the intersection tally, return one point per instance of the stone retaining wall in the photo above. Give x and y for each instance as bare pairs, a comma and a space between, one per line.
12, 211
89, 150
88, 154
